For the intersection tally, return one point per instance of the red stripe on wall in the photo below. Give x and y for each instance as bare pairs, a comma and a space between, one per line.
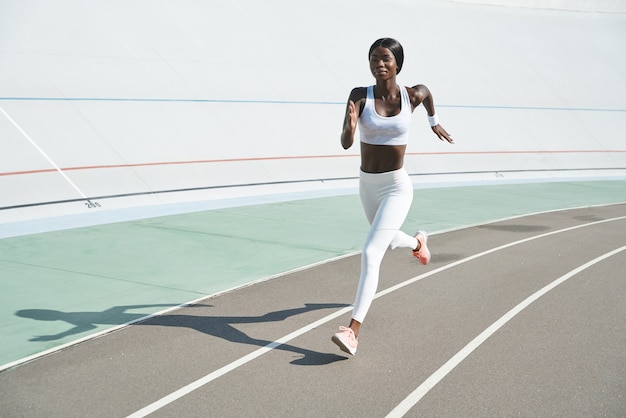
232, 160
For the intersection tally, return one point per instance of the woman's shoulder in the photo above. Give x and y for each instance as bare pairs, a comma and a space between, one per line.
418, 89
417, 93
359, 90
358, 93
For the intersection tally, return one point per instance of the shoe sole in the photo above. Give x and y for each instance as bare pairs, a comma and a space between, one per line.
342, 346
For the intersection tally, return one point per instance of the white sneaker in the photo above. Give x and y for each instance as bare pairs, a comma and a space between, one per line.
423, 254
346, 340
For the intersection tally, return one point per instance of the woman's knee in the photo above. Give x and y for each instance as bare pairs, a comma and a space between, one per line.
373, 254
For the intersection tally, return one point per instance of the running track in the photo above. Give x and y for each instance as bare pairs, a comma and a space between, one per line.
519, 317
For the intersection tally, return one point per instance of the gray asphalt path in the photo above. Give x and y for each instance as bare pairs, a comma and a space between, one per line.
265, 350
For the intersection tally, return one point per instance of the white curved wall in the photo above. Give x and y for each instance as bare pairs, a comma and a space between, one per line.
601, 6
134, 99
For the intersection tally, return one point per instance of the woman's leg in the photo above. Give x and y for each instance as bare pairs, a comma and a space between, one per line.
386, 205
386, 200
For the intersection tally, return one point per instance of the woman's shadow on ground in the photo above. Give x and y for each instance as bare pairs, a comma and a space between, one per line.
217, 326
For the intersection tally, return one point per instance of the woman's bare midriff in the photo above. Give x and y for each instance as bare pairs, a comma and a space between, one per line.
381, 158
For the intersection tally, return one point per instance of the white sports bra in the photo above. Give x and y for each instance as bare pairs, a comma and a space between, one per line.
379, 130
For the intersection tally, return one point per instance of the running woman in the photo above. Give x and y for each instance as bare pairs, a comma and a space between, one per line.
383, 113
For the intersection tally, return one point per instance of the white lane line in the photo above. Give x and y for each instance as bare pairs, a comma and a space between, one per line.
162, 312
243, 360
490, 251
232, 366
34, 144
411, 400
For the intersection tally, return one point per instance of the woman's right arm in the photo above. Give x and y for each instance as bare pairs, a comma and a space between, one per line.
353, 111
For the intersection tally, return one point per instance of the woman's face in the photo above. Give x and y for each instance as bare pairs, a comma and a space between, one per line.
383, 63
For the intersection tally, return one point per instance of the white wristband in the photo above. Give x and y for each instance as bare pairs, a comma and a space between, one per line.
433, 120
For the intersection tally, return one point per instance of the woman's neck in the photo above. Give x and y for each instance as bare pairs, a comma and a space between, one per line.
386, 88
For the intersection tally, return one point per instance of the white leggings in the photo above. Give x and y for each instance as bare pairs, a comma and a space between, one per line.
386, 199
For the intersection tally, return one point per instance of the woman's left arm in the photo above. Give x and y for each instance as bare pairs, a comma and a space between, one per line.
420, 94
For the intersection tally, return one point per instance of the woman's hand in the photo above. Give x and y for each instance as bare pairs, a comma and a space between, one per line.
351, 116
349, 125
442, 133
